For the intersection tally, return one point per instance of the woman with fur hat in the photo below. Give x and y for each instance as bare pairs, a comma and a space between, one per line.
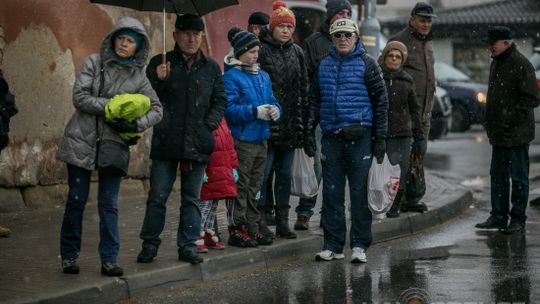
403, 114
117, 69
285, 63
251, 105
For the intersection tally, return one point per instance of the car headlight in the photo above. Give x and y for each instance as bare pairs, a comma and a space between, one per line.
481, 97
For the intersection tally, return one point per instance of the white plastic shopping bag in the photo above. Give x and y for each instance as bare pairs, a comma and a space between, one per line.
303, 179
383, 185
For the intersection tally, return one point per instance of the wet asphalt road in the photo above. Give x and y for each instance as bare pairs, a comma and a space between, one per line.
450, 263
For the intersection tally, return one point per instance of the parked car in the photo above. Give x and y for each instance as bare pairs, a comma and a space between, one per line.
535, 60
468, 96
441, 115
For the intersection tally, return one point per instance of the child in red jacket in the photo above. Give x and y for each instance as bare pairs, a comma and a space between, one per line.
220, 178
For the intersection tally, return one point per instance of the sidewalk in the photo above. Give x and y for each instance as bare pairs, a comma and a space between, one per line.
30, 262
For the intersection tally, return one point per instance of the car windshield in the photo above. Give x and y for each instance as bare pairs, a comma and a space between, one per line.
446, 73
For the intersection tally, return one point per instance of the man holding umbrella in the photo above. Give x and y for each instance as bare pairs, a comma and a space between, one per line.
190, 87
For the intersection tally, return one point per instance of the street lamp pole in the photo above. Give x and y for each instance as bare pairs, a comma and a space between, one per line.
371, 29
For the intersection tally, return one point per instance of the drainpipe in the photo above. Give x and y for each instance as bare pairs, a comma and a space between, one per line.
371, 29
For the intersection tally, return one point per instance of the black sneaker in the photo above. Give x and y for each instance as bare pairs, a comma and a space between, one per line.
70, 266
514, 227
238, 238
414, 207
190, 257
111, 269
262, 239
491, 223
146, 255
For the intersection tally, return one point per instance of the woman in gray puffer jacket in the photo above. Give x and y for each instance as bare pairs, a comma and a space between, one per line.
120, 63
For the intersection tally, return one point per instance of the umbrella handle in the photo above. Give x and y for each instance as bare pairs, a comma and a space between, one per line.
164, 61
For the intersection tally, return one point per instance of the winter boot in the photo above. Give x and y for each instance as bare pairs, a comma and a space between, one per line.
211, 240
201, 248
257, 236
238, 238
394, 210
282, 224
263, 228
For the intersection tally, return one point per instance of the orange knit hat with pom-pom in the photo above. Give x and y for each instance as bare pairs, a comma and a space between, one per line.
281, 14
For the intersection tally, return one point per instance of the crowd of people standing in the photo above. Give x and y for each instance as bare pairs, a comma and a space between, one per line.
231, 136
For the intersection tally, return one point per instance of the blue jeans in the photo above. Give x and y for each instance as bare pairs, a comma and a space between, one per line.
162, 177
306, 205
71, 231
346, 159
282, 162
509, 163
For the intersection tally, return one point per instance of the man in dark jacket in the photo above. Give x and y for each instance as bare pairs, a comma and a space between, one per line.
7, 110
417, 38
316, 47
352, 114
190, 87
512, 96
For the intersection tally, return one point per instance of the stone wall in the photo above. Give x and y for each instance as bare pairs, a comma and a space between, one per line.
42, 46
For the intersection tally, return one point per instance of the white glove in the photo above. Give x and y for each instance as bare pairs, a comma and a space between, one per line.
262, 112
274, 112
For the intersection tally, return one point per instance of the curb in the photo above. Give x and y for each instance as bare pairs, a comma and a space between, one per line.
241, 260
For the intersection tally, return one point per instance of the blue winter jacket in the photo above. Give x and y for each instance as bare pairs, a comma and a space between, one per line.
244, 93
349, 90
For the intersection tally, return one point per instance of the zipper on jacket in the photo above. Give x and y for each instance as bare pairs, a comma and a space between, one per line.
336, 89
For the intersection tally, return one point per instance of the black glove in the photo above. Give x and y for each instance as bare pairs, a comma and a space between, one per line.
310, 145
378, 149
132, 141
123, 126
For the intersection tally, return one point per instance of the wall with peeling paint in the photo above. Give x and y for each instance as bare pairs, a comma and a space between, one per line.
42, 46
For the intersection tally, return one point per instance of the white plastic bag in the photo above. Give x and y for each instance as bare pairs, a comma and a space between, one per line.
303, 179
383, 185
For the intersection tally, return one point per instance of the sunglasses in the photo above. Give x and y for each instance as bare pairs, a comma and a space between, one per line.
339, 35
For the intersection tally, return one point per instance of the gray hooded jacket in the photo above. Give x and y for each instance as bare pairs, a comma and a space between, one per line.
78, 146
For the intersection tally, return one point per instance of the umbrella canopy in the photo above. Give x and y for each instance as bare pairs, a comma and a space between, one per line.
196, 7
179, 7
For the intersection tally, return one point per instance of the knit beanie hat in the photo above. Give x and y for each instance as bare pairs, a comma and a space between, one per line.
281, 14
335, 6
131, 33
259, 18
394, 45
189, 22
242, 41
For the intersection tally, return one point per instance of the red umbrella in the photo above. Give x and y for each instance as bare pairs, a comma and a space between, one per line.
179, 7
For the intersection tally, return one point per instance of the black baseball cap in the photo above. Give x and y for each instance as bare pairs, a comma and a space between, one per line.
423, 9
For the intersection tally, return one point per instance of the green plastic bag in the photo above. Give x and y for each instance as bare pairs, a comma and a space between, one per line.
127, 107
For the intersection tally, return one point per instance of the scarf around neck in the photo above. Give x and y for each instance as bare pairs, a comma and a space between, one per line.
237, 64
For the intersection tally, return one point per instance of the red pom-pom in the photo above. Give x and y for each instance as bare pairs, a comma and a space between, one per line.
278, 4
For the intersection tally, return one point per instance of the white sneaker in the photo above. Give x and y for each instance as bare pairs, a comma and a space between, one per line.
358, 255
327, 255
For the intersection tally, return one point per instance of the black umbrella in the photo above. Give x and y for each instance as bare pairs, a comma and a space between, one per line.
179, 7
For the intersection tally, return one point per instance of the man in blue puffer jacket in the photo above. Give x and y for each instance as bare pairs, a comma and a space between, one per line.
349, 99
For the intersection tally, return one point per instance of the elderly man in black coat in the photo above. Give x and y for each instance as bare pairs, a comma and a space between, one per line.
512, 95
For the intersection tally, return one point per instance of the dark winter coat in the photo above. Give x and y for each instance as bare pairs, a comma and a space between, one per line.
286, 66
193, 104
7, 110
316, 47
245, 92
512, 95
349, 90
403, 111
79, 145
223, 159
420, 65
